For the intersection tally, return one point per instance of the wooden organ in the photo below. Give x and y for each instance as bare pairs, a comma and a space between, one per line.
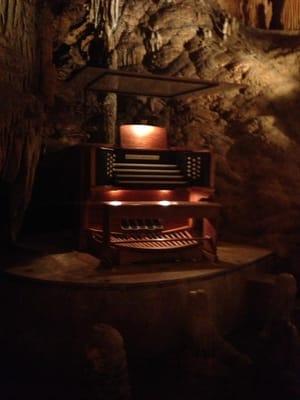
145, 202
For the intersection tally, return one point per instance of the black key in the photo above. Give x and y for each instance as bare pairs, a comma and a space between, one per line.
140, 224
132, 224
148, 223
124, 223
157, 224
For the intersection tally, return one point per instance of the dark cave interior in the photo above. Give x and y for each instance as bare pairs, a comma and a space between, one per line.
166, 267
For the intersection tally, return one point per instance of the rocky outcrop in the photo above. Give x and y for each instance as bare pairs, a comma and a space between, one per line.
21, 109
265, 14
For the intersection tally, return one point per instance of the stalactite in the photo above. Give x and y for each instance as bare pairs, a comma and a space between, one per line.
257, 13
105, 16
3, 14
290, 16
114, 13
46, 46
96, 13
20, 126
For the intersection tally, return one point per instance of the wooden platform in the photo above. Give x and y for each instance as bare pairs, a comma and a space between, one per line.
61, 296
76, 268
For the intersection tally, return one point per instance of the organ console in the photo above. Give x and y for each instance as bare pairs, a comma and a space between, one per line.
145, 202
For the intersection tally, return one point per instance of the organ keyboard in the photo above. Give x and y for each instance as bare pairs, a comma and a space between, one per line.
160, 169
148, 204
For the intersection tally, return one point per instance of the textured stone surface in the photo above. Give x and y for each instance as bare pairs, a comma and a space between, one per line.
265, 14
22, 121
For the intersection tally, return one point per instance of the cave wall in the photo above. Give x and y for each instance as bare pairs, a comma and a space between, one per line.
265, 14
21, 108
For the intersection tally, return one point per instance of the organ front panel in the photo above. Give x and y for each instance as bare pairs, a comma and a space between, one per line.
148, 204
150, 168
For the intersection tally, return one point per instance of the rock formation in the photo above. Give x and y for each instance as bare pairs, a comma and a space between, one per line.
291, 15
265, 14
21, 122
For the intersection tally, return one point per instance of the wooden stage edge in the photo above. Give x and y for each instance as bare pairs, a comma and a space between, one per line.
148, 304
81, 269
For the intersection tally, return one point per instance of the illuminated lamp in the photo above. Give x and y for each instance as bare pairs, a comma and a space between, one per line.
115, 203
143, 136
164, 203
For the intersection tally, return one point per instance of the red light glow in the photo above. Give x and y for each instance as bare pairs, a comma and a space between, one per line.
196, 196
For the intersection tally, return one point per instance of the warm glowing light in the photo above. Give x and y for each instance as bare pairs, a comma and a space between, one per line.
116, 191
143, 136
195, 197
164, 203
142, 130
115, 203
